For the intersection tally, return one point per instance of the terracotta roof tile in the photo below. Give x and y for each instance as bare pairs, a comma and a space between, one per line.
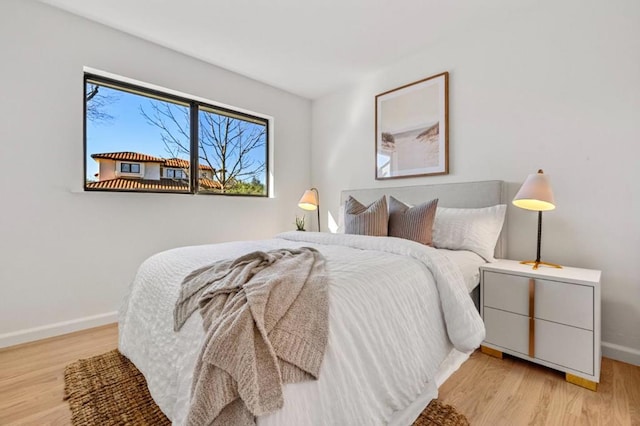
150, 185
128, 156
136, 156
184, 164
209, 184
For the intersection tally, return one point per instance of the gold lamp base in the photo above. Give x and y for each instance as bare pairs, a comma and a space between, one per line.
537, 263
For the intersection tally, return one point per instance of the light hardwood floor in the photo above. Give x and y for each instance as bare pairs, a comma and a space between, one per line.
32, 375
510, 391
489, 391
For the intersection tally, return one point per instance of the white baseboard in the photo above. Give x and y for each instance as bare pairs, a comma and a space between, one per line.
621, 353
51, 330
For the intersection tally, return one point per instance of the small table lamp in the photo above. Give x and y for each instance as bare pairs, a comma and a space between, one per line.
535, 194
311, 201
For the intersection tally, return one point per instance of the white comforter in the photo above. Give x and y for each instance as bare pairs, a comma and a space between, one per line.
391, 324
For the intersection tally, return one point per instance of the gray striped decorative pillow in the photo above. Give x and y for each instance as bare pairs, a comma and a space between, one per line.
412, 223
366, 220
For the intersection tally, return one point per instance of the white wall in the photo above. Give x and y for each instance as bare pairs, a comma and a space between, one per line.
54, 266
151, 171
107, 170
556, 88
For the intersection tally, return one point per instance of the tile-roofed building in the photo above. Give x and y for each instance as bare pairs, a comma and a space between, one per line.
135, 171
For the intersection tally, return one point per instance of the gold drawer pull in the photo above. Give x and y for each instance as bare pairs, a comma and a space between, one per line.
532, 321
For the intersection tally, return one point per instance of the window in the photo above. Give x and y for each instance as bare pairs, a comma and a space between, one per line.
166, 143
129, 168
176, 174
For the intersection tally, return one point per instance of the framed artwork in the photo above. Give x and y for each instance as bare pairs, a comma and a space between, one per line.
412, 129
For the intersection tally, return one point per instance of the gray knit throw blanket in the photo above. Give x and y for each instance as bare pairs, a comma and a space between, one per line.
265, 317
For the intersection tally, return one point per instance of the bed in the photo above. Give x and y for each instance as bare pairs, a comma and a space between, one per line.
400, 321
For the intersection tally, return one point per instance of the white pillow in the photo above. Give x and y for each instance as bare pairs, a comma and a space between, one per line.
476, 230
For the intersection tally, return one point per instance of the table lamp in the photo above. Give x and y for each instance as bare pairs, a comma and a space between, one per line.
535, 194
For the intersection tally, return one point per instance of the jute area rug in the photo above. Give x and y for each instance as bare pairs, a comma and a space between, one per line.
109, 390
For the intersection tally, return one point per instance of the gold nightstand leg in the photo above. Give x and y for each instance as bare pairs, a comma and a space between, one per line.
581, 382
492, 352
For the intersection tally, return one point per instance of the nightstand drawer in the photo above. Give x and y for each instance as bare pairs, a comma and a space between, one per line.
506, 292
565, 346
507, 330
564, 303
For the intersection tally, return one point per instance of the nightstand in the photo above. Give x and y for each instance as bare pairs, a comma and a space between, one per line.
548, 316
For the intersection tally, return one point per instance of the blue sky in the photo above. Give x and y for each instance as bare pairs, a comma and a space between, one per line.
128, 130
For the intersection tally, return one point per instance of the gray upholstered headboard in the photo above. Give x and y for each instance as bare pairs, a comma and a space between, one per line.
461, 195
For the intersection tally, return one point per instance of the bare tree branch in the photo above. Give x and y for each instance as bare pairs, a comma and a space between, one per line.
228, 145
96, 103
93, 91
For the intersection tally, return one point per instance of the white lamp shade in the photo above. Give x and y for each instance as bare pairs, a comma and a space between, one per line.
535, 193
309, 200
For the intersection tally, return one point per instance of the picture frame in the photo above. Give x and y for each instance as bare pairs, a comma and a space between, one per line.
412, 129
